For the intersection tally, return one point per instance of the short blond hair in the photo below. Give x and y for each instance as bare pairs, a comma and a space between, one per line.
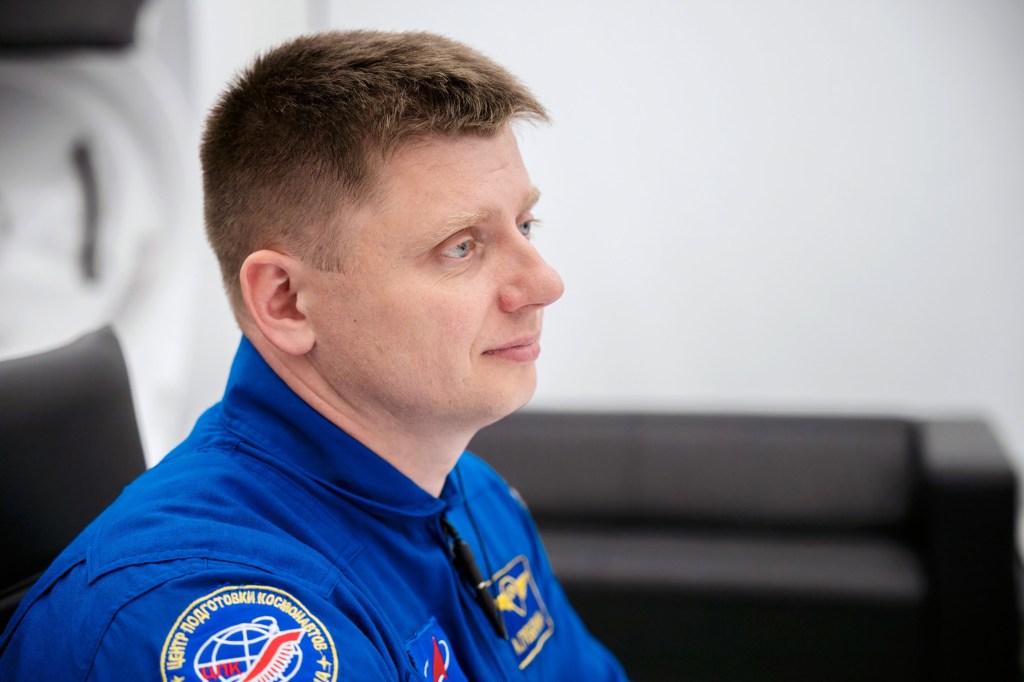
303, 131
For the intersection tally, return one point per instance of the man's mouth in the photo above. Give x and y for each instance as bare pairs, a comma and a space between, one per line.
523, 349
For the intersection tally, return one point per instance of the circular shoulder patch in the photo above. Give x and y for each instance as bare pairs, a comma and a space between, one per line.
248, 633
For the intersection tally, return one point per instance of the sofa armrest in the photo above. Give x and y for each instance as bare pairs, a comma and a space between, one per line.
969, 507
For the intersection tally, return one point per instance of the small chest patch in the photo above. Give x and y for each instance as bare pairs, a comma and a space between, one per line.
527, 619
248, 633
432, 655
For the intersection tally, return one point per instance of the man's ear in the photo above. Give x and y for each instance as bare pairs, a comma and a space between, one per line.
272, 289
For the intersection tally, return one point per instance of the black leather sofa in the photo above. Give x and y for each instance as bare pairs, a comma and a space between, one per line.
756, 548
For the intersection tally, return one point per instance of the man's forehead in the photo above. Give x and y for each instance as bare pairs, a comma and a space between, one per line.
453, 181
429, 156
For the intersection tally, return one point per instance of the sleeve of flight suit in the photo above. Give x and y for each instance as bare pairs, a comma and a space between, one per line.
196, 621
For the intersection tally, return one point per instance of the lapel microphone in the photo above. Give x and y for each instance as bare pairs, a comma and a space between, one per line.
465, 564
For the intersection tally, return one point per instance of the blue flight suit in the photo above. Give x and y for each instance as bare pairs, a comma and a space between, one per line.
272, 546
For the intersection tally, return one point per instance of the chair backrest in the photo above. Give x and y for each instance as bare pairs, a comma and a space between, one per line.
750, 471
69, 443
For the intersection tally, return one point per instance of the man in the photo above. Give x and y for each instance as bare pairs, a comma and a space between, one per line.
372, 216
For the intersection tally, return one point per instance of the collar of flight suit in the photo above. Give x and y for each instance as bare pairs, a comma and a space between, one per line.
289, 434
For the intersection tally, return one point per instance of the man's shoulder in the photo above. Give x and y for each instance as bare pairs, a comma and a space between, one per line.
200, 506
210, 503
209, 546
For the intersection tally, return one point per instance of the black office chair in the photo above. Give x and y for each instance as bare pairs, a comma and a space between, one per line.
69, 443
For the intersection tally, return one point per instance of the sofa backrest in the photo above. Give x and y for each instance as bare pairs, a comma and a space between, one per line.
771, 471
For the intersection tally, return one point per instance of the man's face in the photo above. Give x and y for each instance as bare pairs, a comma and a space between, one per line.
434, 320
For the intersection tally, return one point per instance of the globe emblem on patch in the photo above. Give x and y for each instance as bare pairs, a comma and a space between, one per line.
258, 651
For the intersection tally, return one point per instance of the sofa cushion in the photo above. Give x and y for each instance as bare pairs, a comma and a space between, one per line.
735, 608
836, 568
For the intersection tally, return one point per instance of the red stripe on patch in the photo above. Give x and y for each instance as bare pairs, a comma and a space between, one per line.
273, 653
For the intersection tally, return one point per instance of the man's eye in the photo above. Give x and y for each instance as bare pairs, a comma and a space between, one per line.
460, 250
525, 228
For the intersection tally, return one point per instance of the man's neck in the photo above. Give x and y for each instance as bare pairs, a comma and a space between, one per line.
423, 454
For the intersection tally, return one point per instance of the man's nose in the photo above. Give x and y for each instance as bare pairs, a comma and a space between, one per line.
532, 282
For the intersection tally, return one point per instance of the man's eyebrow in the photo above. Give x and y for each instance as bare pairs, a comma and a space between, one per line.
532, 199
460, 221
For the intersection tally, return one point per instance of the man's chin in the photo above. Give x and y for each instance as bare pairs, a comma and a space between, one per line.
511, 403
